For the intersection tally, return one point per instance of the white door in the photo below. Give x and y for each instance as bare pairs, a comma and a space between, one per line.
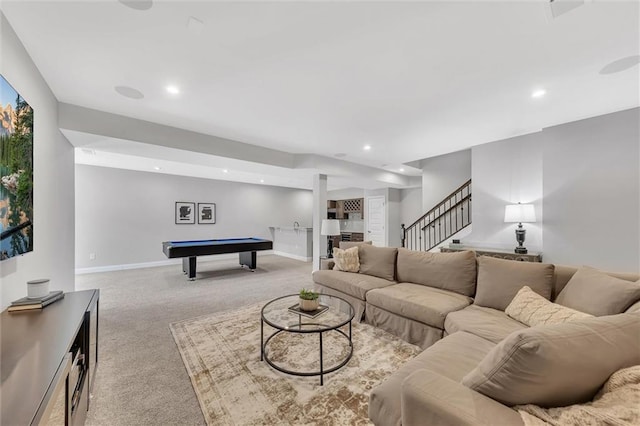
375, 221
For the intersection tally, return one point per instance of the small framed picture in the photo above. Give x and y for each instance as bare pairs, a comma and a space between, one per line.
185, 213
206, 213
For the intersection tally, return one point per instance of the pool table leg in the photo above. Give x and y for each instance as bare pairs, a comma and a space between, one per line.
249, 259
189, 267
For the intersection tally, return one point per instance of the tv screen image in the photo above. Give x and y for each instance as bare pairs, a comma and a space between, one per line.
16, 173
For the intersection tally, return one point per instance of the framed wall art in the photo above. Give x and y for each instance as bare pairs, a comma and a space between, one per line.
185, 213
16, 173
206, 213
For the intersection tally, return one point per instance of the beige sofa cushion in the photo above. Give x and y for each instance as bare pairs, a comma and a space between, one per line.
378, 261
452, 357
531, 309
356, 285
346, 260
560, 364
448, 271
421, 303
499, 280
598, 293
488, 323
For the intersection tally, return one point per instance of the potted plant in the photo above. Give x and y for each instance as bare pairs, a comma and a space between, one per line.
309, 300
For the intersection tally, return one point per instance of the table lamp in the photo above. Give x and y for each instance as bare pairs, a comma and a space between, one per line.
330, 227
520, 213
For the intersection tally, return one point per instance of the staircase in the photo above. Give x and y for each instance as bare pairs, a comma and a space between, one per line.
448, 217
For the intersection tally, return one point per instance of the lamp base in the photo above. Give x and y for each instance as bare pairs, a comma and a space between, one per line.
330, 248
521, 250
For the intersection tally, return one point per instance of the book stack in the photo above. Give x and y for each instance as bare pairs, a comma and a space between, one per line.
30, 303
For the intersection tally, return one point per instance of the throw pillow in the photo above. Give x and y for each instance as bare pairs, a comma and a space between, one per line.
531, 309
499, 280
378, 261
597, 293
346, 260
560, 364
448, 271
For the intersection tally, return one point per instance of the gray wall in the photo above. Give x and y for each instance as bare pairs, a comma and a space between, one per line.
442, 175
123, 216
506, 172
410, 205
53, 215
591, 192
583, 176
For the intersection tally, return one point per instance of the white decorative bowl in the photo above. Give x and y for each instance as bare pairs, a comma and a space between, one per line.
37, 288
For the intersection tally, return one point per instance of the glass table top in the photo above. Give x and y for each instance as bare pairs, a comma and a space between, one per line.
277, 314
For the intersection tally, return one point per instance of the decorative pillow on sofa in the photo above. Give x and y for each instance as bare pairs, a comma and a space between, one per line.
531, 309
378, 261
448, 271
558, 365
499, 280
593, 291
346, 260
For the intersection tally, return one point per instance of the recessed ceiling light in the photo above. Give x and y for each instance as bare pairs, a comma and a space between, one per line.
366, 147
129, 92
225, 171
401, 169
261, 180
174, 90
157, 168
622, 64
538, 93
138, 4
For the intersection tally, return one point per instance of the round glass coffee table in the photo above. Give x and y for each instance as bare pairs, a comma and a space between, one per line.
284, 316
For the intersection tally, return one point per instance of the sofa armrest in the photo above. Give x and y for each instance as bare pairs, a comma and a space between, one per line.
326, 263
429, 398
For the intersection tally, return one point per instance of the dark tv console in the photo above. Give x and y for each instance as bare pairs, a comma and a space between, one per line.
49, 360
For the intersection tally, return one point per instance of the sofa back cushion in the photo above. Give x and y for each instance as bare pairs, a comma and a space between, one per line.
448, 271
499, 280
598, 293
558, 365
562, 275
378, 261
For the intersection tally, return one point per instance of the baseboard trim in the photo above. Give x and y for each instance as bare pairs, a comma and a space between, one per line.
293, 256
126, 266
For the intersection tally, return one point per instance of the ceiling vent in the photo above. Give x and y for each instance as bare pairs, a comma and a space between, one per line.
557, 8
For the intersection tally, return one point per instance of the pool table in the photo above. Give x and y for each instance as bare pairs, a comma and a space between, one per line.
189, 250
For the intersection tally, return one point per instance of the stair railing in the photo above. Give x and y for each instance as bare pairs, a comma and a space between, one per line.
447, 218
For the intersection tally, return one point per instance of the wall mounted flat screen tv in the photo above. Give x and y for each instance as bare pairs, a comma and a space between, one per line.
16, 173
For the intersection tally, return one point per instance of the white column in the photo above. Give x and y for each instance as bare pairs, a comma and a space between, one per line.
319, 213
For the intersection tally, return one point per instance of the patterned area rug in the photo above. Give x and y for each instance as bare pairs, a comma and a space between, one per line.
222, 355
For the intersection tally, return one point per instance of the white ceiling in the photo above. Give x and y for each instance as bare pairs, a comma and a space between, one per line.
411, 79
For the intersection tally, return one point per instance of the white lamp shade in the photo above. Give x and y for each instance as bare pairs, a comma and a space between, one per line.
330, 227
520, 213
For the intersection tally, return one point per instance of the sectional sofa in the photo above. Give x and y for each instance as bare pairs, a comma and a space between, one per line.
492, 337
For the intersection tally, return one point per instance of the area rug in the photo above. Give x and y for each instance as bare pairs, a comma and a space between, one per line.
221, 353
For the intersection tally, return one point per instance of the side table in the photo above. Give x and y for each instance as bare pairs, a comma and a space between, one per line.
501, 254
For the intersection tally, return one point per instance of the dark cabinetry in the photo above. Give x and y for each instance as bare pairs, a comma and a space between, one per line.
49, 361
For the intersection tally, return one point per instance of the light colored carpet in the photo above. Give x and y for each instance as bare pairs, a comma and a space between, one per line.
222, 354
141, 379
